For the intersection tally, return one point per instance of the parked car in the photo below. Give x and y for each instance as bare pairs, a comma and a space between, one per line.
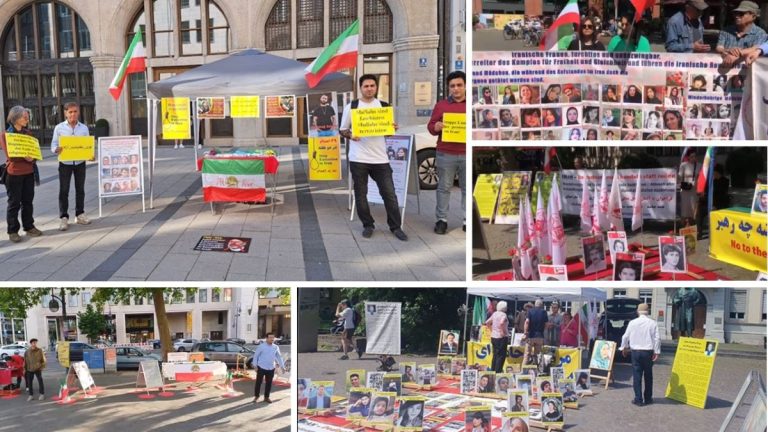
7, 350
235, 340
222, 351
76, 350
619, 311
130, 357
184, 344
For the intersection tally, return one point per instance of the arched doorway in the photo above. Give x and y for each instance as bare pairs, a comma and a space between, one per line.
688, 300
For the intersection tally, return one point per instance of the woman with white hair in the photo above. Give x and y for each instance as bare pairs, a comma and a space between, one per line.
499, 325
20, 181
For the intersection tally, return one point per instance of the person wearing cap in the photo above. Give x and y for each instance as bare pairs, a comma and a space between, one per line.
743, 34
685, 32
642, 340
499, 325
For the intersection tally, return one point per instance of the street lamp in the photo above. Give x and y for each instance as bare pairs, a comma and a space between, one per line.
54, 307
237, 318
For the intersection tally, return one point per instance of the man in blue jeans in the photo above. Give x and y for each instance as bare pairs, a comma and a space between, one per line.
368, 157
642, 340
450, 158
534, 330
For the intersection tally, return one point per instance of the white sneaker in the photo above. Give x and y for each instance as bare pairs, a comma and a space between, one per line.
64, 224
181, 145
83, 220
176, 146
42, 397
29, 399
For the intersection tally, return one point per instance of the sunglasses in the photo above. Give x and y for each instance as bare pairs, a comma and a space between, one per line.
588, 26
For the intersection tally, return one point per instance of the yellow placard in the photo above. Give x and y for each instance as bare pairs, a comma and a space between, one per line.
22, 145
76, 148
739, 238
62, 353
372, 122
692, 371
454, 127
479, 353
175, 112
324, 158
569, 359
486, 193
244, 106
196, 357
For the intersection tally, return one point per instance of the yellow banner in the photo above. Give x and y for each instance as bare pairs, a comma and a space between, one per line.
324, 158
244, 106
371, 122
22, 145
454, 127
691, 371
75, 148
569, 359
62, 353
175, 112
479, 353
500, 20
739, 238
189, 322
486, 193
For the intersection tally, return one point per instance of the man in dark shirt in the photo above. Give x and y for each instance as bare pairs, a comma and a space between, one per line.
534, 330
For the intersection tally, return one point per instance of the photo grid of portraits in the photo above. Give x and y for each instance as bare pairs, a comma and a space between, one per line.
120, 167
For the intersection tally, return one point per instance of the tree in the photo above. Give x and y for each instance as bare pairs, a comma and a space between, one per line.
15, 302
92, 322
284, 294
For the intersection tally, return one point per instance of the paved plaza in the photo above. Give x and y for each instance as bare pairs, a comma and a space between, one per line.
309, 237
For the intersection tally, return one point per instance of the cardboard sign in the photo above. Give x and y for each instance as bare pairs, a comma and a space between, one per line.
486, 193
454, 127
673, 256
692, 371
178, 357
223, 244
149, 375
373, 122
22, 145
244, 106
210, 107
76, 148
324, 158
83, 374
62, 353
175, 112
196, 357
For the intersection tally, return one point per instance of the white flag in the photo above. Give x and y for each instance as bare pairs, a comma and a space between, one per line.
602, 215
596, 213
556, 225
614, 204
637, 209
586, 215
541, 227
530, 223
522, 240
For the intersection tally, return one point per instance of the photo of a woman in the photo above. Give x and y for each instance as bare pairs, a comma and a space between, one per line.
673, 120
551, 117
672, 254
508, 97
632, 95
610, 93
381, 411
629, 119
477, 422
591, 115
674, 98
411, 414
653, 120
650, 95
552, 410
552, 95
572, 116
529, 94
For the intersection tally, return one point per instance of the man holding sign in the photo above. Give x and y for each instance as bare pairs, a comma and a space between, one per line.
69, 148
448, 123
368, 157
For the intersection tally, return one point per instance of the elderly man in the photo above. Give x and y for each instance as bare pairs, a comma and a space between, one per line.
685, 32
744, 34
499, 325
554, 320
642, 340
535, 326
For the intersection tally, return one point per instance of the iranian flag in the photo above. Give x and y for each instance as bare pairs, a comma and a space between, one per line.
135, 61
641, 6
704, 172
560, 34
340, 54
549, 154
234, 180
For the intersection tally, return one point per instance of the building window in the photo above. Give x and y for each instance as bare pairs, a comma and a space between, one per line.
45, 64
377, 24
646, 296
619, 292
215, 296
71, 300
309, 24
738, 304
191, 17
342, 14
248, 328
47, 300
227, 294
278, 27
203, 295
190, 296
87, 298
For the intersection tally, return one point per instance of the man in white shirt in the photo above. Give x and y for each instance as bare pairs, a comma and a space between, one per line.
267, 353
368, 157
67, 169
345, 312
642, 339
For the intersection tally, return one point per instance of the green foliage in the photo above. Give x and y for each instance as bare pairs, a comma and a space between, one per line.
424, 312
284, 294
92, 322
17, 301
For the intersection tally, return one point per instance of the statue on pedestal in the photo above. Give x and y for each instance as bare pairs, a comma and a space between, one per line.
686, 299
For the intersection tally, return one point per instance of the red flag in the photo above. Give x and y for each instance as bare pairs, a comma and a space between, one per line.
549, 153
641, 6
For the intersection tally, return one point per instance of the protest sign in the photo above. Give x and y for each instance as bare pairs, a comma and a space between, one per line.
22, 145
513, 185
553, 272
479, 354
486, 192
244, 106
120, 169
617, 242
208, 243
175, 118
454, 128
628, 266
62, 353
76, 148
382, 328
672, 253
400, 151
80, 370
739, 238
149, 375
280, 106
320, 395
449, 343
324, 158
690, 234
373, 122
692, 371
593, 253
210, 107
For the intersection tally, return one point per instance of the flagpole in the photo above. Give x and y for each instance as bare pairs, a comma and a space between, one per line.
710, 185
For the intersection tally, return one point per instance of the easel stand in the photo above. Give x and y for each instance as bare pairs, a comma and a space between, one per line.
608, 378
540, 425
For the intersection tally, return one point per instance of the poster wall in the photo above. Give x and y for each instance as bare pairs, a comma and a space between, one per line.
120, 169
382, 328
591, 95
692, 371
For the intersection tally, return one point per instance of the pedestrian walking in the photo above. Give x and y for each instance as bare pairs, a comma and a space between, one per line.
641, 340
34, 362
264, 359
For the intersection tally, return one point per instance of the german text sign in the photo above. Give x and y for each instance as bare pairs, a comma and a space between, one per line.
454, 128
371, 122
692, 371
244, 106
22, 145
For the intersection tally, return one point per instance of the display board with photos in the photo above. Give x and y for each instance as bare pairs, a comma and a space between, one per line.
450, 341
121, 170
592, 95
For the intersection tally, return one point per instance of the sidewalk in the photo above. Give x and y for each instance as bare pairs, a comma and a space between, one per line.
309, 237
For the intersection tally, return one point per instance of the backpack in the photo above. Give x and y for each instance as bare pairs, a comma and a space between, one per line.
354, 104
356, 317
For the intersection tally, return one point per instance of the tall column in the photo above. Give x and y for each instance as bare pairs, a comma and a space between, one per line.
115, 112
409, 69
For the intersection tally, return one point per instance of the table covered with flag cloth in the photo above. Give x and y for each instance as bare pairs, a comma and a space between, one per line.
238, 174
738, 237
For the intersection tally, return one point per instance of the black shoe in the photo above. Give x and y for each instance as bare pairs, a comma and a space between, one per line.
464, 227
441, 227
367, 232
648, 402
637, 402
344, 357
400, 234
267, 400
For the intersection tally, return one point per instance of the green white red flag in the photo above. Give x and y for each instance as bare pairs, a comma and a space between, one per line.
234, 180
135, 61
560, 34
704, 172
339, 55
